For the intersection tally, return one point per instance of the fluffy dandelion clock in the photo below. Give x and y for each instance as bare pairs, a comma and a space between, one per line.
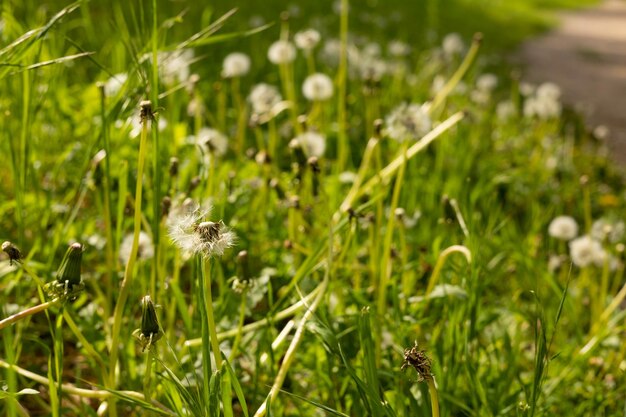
487, 82
281, 52
307, 39
263, 98
312, 143
585, 251
452, 44
145, 250
563, 227
189, 230
236, 64
398, 49
210, 141
408, 121
317, 87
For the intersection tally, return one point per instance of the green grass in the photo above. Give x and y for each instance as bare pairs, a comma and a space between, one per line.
440, 240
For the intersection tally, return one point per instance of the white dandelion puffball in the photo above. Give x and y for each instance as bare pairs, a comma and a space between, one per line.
585, 251
506, 109
236, 64
452, 44
312, 143
194, 235
114, 84
263, 98
211, 141
307, 39
174, 66
486, 82
317, 87
398, 49
281, 52
563, 228
145, 249
408, 121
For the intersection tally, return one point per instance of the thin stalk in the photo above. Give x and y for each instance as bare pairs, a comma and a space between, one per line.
28, 312
434, 397
128, 272
242, 316
342, 75
291, 351
215, 345
385, 270
281, 315
147, 378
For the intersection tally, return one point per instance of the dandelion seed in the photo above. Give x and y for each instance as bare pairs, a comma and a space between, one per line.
563, 228
317, 87
236, 64
281, 52
307, 39
408, 121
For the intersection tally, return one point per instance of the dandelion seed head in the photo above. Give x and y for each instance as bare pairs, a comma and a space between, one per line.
452, 44
236, 64
398, 49
281, 52
312, 143
263, 98
586, 251
317, 87
307, 39
563, 228
408, 121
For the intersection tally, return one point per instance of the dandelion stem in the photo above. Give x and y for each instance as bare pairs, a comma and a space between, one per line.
28, 312
128, 272
434, 396
242, 315
215, 345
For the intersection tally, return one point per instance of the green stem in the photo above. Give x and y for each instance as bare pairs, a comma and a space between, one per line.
242, 316
128, 272
434, 397
28, 312
215, 345
147, 378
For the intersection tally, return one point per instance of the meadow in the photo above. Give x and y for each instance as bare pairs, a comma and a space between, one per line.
331, 208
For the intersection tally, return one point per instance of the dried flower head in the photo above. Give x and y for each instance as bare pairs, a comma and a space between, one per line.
281, 52
14, 253
317, 87
417, 359
236, 64
408, 121
193, 235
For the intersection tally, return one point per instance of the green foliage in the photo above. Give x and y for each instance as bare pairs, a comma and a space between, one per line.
348, 250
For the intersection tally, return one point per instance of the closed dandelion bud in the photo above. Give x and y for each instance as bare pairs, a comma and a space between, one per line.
193, 184
68, 283
275, 185
150, 330
149, 321
69, 271
14, 253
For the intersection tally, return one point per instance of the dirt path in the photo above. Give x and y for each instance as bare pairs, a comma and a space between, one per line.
586, 56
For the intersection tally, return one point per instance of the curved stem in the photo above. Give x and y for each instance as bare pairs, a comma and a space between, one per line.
28, 312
